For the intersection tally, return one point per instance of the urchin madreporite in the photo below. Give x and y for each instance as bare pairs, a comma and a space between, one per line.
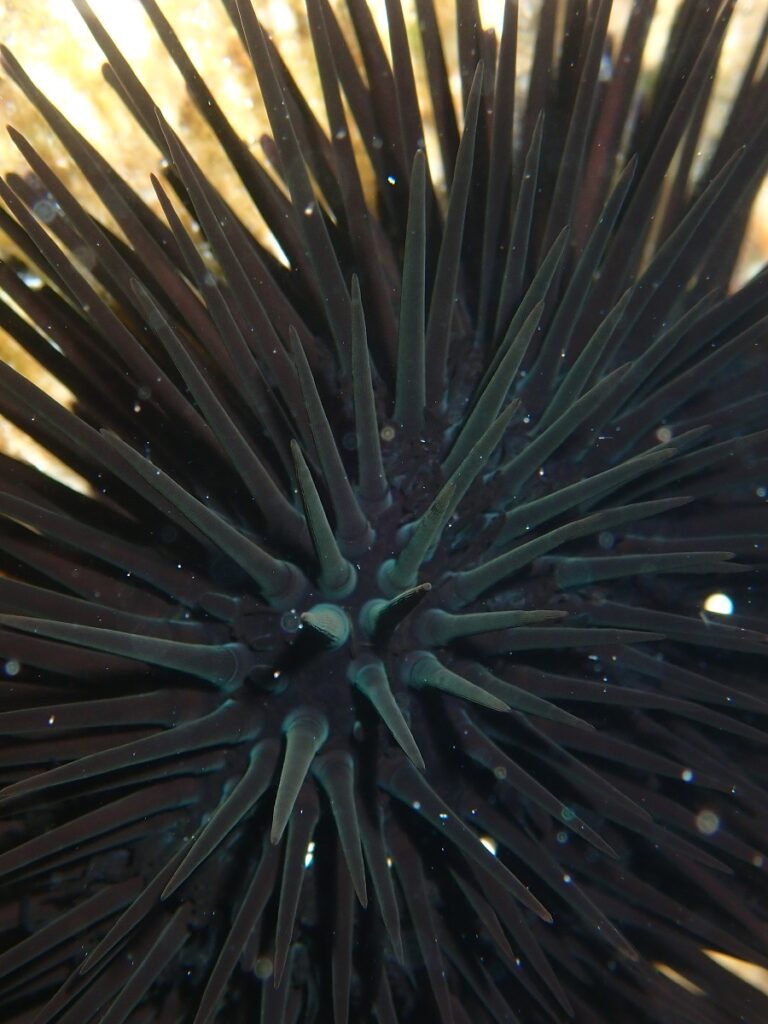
372, 678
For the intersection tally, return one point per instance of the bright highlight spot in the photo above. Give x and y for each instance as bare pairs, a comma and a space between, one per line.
490, 844
751, 973
679, 979
719, 603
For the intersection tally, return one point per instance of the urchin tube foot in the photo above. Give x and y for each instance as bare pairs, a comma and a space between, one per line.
331, 622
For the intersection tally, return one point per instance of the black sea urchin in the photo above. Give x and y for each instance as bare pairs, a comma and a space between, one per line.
372, 679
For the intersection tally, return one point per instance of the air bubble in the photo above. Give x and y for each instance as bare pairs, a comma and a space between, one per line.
290, 621
45, 210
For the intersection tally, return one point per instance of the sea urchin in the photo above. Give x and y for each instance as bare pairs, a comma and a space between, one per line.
372, 678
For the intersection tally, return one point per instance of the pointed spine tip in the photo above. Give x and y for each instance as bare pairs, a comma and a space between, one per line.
306, 730
422, 668
370, 676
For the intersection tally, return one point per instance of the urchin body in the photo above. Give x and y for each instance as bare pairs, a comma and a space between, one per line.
371, 679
